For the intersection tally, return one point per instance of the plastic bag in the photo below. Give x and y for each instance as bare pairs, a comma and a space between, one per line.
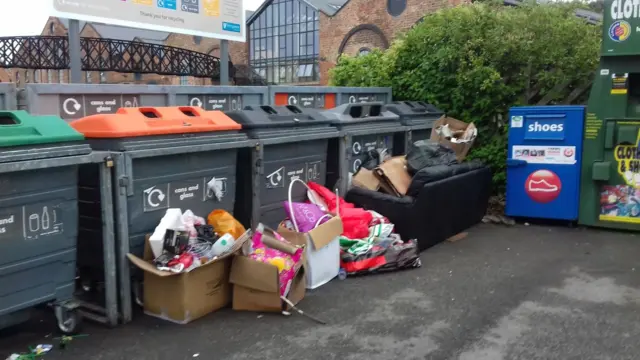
382, 257
306, 216
225, 223
428, 153
355, 221
190, 221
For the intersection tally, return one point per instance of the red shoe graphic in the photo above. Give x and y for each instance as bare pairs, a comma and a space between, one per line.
543, 186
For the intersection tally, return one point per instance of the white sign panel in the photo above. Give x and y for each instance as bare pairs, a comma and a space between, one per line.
220, 19
559, 155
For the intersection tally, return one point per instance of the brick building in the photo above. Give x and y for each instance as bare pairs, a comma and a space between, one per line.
288, 41
298, 41
59, 27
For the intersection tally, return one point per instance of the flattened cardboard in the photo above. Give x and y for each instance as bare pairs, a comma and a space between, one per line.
320, 237
184, 297
366, 179
461, 149
256, 286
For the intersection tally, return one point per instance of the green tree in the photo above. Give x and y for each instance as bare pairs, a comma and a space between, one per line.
476, 61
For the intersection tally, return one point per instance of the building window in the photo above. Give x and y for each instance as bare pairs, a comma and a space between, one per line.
396, 7
184, 80
18, 78
37, 76
103, 77
49, 76
27, 77
363, 51
197, 40
284, 42
61, 79
137, 77
88, 77
52, 28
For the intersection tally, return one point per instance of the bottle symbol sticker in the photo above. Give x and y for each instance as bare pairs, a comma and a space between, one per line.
45, 218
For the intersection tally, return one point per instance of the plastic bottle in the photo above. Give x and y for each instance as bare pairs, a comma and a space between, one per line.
342, 274
223, 244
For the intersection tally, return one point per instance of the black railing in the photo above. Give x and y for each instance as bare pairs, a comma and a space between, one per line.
98, 54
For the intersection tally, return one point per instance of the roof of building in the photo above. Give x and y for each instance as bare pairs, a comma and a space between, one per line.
329, 7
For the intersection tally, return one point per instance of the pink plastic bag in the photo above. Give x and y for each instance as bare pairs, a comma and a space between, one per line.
306, 216
286, 263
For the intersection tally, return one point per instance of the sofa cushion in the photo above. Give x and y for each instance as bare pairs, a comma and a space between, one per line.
439, 172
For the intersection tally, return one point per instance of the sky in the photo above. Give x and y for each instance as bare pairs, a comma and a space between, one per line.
28, 17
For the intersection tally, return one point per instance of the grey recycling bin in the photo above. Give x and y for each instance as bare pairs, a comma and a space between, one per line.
75, 101
363, 127
39, 159
418, 117
291, 144
171, 157
8, 96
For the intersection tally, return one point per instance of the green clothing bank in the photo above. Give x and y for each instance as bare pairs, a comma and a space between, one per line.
610, 186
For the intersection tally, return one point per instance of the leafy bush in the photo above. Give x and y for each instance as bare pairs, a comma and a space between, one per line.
476, 61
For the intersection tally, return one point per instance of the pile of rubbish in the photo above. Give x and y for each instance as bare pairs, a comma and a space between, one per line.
184, 241
368, 243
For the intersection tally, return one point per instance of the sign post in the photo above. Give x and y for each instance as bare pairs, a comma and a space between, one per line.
75, 53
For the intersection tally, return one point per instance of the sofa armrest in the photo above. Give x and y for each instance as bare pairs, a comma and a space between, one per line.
449, 206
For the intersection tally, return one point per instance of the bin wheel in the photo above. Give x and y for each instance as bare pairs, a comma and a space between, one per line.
68, 320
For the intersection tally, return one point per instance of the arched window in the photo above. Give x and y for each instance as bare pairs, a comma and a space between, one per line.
52, 28
363, 51
396, 7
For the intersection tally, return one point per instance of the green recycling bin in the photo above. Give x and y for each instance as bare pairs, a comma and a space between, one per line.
39, 159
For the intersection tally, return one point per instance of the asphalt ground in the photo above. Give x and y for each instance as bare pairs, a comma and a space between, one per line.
522, 292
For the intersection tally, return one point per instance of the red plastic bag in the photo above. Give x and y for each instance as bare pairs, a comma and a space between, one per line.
329, 197
355, 221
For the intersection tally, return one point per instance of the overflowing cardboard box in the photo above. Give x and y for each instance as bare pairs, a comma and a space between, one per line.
184, 297
256, 286
459, 136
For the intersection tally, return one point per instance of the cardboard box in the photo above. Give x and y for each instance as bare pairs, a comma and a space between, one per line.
464, 131
322, 251
256, 286
184, 297
366, 179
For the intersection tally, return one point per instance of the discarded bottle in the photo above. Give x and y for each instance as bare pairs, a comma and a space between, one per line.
342, 274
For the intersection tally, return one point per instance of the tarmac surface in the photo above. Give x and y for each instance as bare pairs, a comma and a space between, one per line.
518, 292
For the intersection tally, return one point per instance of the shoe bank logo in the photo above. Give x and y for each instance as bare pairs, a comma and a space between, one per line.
545, 129
543, 186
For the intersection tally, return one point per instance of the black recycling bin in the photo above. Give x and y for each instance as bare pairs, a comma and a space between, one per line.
290, 143
363, 127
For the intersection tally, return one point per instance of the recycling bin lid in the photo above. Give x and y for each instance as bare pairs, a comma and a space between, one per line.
358, 113
19, 128
152, 121
414, 109
266, 116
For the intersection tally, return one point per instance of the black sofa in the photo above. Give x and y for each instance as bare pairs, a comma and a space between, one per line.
442, 201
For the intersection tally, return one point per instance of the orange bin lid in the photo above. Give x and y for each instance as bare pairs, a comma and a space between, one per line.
150, 121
